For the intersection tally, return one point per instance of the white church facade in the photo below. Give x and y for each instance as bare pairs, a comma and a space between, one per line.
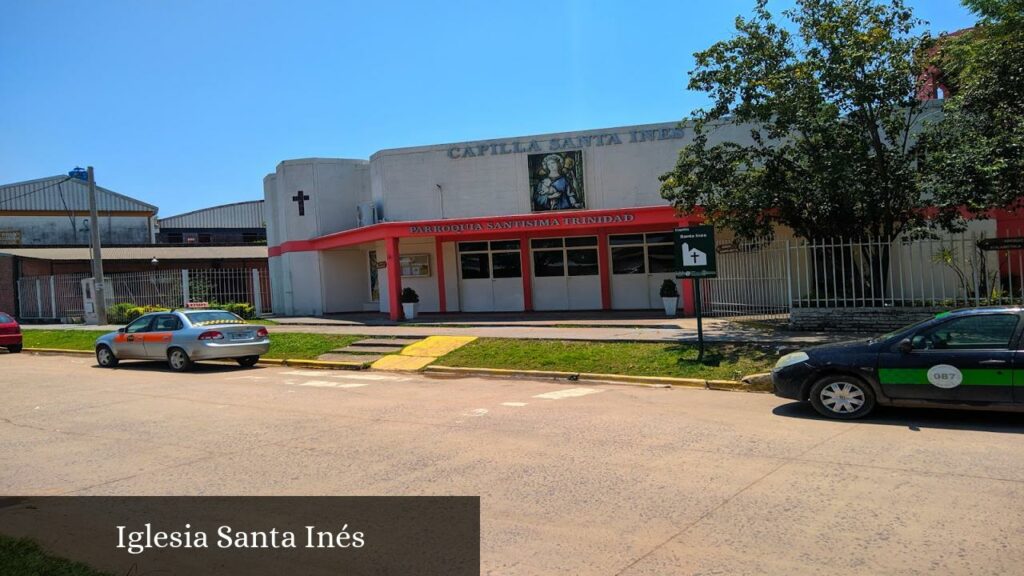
570, 221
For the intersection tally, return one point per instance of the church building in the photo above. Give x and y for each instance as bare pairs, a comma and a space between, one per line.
570, 221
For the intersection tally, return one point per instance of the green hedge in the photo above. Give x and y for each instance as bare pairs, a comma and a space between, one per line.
125, 312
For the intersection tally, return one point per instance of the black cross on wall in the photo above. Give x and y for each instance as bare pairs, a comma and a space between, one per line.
301, 199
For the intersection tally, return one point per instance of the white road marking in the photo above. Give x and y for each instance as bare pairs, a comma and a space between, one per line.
475, 412
305, 373
373, 377
568, 393
514, 404
247, 378
327, 384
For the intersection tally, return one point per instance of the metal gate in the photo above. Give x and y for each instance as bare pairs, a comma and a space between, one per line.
752, 283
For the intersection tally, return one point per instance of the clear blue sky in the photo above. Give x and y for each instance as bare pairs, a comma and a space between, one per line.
187, 104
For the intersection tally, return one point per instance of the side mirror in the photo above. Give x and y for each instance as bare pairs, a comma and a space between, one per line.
906, 346
120, 330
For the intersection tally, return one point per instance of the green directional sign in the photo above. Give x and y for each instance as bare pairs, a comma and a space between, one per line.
695, 252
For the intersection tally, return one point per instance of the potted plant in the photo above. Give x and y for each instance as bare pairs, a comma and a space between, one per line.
669, 297
409, 300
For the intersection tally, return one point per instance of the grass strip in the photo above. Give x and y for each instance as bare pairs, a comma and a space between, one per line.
288, 345
721, 361
23, 557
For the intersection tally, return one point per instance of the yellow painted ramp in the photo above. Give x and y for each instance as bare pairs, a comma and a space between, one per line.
436, 346
419, 355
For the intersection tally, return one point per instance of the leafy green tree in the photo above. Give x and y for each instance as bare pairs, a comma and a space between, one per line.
975, 156
828, 97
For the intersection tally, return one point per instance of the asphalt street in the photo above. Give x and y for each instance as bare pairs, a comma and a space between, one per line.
573, 478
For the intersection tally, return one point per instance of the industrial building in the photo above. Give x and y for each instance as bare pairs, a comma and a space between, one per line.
238, 223
55, 211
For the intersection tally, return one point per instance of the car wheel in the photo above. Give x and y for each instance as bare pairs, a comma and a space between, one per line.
178, 360
843, 397
247, 361
14, 348
105, 357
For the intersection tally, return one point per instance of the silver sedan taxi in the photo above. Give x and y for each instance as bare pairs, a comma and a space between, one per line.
182, 337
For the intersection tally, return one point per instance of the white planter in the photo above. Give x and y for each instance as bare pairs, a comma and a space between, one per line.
670, 305
409, 309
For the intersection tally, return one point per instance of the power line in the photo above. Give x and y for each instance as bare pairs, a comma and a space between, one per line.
40, 189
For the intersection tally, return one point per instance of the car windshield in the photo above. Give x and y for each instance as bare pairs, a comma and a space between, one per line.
209, 317
5, 319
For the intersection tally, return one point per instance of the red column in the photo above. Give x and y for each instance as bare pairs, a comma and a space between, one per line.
686, 292
394, 278
442, 295
686, 286
524, 263
604, 269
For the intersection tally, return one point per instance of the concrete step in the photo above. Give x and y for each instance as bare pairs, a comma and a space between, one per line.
387, 341
363, 358
369, 349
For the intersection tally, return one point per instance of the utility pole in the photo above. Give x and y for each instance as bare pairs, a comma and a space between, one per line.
97, 258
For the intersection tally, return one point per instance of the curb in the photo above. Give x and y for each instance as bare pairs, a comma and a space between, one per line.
323, 364
659, 381
58, 351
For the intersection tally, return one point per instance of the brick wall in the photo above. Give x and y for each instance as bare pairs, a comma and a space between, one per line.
869, 320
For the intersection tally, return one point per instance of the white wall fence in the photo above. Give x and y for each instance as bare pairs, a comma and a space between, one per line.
765, 279
59, 297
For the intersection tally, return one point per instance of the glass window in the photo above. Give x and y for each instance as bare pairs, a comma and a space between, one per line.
581, 241
628, 260
660, 238
5, 319
661, 258
472, 246
546, 243
506, 265
982, 332
140, 325
548, 263
582, 262
505, 245
166, 323
626, 239
475, 266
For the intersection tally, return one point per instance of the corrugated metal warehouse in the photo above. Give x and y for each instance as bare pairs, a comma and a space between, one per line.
55, 211
230, 223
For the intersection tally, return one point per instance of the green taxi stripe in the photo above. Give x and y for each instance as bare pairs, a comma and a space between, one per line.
972, 376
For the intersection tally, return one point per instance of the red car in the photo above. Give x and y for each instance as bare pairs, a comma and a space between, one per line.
10, 333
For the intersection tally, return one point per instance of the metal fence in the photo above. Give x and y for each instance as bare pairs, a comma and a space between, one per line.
764, 280
59, 297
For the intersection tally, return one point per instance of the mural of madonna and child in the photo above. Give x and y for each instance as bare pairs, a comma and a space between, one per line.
556, 181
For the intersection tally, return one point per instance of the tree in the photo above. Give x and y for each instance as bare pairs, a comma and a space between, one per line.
828, 99
975, 156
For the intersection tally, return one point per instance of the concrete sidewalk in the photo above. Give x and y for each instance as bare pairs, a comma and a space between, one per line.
633, 327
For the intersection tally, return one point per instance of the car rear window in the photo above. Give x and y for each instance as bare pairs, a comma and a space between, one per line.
213, 317
5, 319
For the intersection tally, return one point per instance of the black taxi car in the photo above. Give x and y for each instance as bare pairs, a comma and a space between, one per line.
964, 358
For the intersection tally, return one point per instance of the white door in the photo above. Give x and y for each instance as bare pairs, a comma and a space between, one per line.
640, 264
490, 277
566, 274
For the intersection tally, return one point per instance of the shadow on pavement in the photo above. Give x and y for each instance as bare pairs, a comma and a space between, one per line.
916, 419
158, 366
